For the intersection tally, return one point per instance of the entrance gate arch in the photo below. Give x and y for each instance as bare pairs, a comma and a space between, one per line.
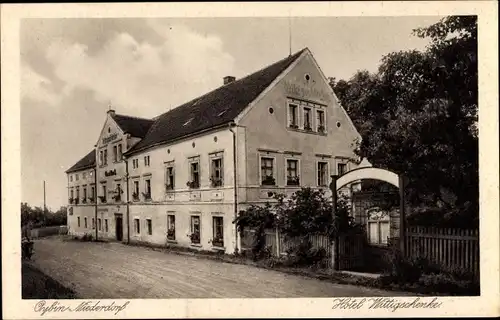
397, 180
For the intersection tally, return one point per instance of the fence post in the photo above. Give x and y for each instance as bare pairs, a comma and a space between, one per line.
278, 249
402, 215
335, 247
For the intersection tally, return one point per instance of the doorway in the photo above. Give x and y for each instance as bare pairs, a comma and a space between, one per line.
119, 227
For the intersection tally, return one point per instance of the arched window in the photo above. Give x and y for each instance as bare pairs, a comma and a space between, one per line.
378, 226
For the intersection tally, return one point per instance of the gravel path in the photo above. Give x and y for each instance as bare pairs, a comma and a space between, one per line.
115, 270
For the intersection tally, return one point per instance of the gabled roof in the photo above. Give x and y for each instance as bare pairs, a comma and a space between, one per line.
137, 127
216, 108
86, 162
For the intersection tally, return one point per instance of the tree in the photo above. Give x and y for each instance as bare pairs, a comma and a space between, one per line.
417, 115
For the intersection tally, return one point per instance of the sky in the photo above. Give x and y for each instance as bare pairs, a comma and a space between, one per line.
72, 70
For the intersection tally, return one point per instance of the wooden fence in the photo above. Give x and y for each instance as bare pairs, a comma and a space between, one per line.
350, 247
450, 248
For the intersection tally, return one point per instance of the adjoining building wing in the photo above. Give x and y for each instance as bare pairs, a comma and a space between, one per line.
136, 127
84, 163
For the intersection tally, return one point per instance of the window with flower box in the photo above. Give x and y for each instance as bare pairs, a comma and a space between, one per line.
194, 173
99, 224
78, 221
85, 222
267, 171
218, 231
320, 121
135, 191
147, 189
195, 229
341, 168
307, 119
216, 170
169, 176
292, 172
106, 225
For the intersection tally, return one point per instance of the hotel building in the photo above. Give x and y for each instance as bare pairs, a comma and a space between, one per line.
181, 177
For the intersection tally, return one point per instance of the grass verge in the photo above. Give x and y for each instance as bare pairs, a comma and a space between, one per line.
37, 285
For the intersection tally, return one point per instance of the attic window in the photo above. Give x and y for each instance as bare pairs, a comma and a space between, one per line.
222, 112
188, 122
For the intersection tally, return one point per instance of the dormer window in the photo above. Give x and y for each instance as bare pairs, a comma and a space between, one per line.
222, 113
188, 122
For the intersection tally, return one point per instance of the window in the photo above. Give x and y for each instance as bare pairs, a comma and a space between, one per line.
105, 156
84, 193
267, 171
135, 163
115, 153
72, 194
77, 194
195, 175
320, 121
85, 222
218, 232
70, 178
378, 227
170, 178
216, 172
322, 173
146, 161
307, 119
99, 226
292, 116
341, 168
118, 192
92, 195
103, 197
84, 175
292, 172
101, 158
137, 226
78, 221
149, 225
106, 225
147, 189
195, 229
76, 176
171, 227
93, 223
135, 194
120, 152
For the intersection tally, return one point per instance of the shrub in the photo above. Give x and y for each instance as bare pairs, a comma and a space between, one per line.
303, 254
87, 237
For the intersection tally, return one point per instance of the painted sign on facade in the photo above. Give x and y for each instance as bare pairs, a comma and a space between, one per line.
305, 92
109, 138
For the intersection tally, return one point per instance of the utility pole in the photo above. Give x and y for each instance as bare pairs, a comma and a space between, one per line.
44, 199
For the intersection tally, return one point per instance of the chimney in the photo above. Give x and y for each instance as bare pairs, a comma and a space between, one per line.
229, 79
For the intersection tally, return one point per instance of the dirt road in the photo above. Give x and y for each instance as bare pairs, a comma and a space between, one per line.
114, 270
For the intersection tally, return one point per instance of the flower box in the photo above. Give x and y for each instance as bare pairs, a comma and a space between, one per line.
171, 234
292, 181
268, 181
193, 184
307, 127
195, 238
294, 126
103, 199
84, 200
70, 200
216, 182
147, 196
218, 242
135, 197
321, 129
169, 187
